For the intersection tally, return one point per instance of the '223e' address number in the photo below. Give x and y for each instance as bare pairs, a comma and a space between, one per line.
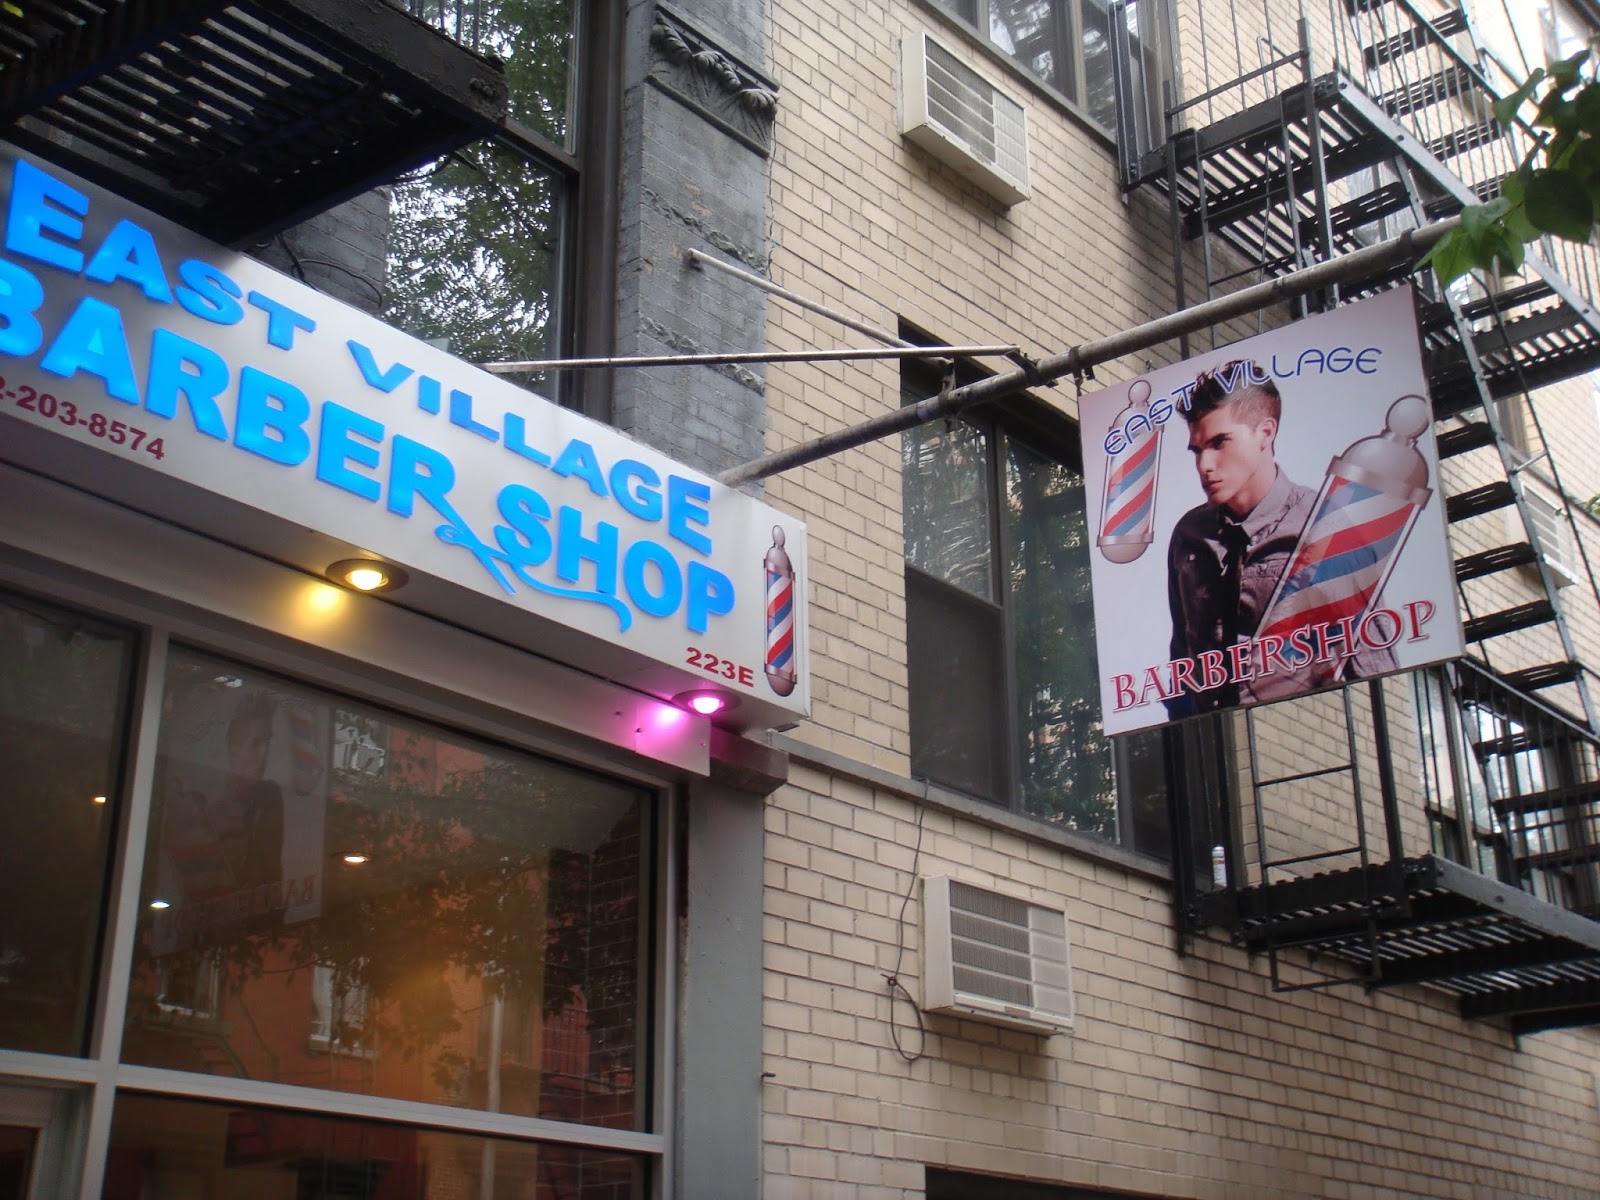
98, 425
712, 665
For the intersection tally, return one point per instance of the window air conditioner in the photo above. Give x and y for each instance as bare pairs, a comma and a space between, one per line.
953, 113
994, 958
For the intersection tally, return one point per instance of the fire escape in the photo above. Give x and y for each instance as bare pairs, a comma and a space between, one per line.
239, 118
1481, 878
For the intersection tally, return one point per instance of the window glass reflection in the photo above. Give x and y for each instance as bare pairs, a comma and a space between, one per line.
1067, 768
339, 897
64, 696
474, 256
181, 1150
534, 39
945, 489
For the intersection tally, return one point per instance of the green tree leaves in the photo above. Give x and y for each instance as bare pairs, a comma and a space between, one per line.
1555, 191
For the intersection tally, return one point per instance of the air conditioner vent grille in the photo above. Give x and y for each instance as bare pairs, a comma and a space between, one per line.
996, 957
956, 115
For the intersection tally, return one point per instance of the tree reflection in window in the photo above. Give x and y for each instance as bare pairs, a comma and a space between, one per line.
416, 878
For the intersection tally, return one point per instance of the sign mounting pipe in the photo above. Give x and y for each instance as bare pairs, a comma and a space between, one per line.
1077, 360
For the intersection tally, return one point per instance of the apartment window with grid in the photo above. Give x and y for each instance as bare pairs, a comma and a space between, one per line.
1068, 46
482, 245
1003, 682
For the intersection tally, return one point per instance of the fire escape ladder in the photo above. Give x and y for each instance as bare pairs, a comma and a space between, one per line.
1395, 128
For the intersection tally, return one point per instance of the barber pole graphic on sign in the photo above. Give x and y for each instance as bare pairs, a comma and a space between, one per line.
780, 658
1127, 524
1369, 501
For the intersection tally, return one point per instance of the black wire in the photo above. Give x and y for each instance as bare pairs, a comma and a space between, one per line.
893, 979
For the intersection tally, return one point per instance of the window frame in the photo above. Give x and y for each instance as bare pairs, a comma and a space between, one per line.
94, 1080
1159, 34
1046, 432
585, 172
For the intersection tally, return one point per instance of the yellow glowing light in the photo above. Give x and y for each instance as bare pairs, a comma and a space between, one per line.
99, 799
366, 575
355, 860
158, 905
366, 579
323, 598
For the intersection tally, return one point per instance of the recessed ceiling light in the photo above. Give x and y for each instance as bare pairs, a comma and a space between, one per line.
355, 860
99, 799
367, 575
158, 905
708, 702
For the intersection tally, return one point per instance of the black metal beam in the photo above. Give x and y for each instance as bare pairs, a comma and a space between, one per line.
1536, 998
1559, 1018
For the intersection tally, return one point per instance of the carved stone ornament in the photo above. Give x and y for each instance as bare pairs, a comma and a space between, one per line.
685, 65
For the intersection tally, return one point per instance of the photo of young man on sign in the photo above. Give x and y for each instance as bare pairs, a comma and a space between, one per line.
1273, 588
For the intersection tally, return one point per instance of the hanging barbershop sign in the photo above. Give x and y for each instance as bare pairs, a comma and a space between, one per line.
135, 339
1234, 561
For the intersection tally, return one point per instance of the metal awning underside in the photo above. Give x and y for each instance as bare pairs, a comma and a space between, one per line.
1500, 951
239, 119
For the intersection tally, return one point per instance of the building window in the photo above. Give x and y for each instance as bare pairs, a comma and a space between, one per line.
330, 907
1067, 45
377, 905
64, 713
482, 244
1003, 682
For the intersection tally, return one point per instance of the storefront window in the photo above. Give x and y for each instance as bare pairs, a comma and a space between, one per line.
64, 699
181, 1150
339, 897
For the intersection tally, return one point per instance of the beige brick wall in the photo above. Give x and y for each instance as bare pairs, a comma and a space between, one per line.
1183, 1077
1186, 1076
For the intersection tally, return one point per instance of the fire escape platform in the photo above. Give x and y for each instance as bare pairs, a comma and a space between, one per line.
1500, 951
1235, 179
239, 119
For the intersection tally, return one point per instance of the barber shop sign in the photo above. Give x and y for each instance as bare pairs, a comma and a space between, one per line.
1265, 519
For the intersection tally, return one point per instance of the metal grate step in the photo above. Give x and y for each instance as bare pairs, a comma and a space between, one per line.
1572, 856
1491, 562
1510, 620
1449, 84
1474, 435
1548, 800
1479, 500
1531, 679
1469, 137
1446, 25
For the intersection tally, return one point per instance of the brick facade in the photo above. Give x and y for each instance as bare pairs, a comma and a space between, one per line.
1186, 1075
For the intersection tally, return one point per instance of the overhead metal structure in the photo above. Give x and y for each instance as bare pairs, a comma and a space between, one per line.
1305, 159
238, 119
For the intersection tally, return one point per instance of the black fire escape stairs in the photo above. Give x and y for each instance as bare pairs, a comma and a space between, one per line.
239, 118
1504, 914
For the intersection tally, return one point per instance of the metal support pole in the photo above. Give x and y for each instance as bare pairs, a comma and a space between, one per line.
701, 260
1408, 247
749, 356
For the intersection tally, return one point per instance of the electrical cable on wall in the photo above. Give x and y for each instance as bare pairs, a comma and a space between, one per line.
896, 988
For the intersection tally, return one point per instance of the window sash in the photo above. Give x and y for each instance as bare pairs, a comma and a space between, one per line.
101, 1073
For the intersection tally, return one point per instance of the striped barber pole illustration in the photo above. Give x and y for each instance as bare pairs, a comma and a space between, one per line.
1335, 573
1127, 525
1369, 501
780, 655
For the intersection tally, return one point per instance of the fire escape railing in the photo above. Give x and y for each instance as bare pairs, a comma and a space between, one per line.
1479, 878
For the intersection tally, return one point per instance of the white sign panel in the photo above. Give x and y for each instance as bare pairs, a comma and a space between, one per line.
1266, 519
155, 349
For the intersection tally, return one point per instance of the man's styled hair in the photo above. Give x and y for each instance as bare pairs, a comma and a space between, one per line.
1241, 385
